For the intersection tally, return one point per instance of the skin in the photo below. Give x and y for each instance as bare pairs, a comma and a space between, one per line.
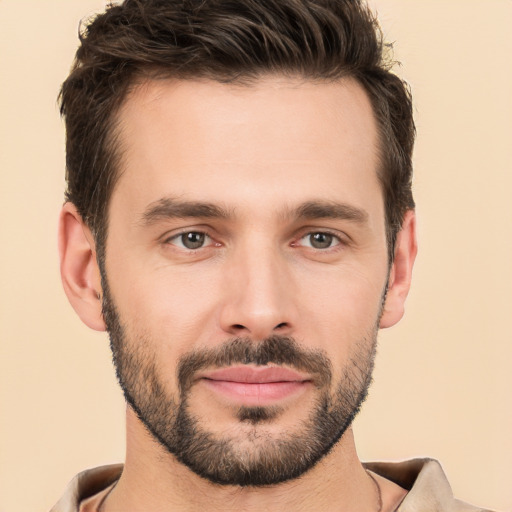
259, 153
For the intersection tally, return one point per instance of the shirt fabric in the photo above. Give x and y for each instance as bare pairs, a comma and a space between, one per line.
424, 479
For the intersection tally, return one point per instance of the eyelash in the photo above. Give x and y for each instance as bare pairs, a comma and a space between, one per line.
334, 238
179, 236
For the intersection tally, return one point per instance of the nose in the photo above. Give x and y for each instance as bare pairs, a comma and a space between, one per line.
259, 298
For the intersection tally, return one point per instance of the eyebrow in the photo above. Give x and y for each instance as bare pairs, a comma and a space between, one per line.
322, 209
170, 208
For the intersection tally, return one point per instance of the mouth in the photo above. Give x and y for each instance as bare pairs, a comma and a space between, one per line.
255, 386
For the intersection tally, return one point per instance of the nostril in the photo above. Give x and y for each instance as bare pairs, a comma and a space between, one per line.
238, 326
281, 325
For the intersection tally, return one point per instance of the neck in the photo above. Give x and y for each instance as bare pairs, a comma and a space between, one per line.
155, 480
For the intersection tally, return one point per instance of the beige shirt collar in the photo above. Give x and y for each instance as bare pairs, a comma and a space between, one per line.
429, 490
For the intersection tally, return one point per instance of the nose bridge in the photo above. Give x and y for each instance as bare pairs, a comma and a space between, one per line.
258, 301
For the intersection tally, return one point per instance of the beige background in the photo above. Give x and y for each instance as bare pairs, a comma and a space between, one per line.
443, 380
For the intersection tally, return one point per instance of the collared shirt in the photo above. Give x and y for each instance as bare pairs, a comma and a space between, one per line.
428, 488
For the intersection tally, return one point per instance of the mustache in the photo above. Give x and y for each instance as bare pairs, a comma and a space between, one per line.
278, 350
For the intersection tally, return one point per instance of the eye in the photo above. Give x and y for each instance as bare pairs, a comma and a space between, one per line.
190, 240
320, 240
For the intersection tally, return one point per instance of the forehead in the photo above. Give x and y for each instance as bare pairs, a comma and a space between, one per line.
276, 139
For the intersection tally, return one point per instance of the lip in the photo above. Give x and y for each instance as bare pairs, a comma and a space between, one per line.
255, 386
255, 375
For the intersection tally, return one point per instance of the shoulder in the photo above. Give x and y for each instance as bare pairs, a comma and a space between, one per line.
87, 484
427, 485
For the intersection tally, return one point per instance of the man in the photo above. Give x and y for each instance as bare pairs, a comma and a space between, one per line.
239, 218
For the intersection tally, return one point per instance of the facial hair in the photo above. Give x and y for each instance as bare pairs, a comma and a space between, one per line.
218, 458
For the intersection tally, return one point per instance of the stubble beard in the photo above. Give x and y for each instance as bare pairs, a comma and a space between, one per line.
259, 459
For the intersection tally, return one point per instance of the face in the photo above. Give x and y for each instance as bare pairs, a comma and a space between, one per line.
245, 270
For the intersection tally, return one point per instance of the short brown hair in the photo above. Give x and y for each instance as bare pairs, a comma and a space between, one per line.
227, 41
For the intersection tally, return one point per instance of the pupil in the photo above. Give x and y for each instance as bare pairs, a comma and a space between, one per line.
321, 240
193, 240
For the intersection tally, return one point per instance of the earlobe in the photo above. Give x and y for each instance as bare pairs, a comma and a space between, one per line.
78, 267
401, 272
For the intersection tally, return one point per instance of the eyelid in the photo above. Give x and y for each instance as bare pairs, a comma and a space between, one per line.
335, 242
168, 237
177, 231
341, 236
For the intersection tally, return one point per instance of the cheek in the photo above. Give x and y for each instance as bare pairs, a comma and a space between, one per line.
171, 308
341, 308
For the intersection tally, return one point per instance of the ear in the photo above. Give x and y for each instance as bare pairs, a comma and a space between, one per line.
78, 267
401, 271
